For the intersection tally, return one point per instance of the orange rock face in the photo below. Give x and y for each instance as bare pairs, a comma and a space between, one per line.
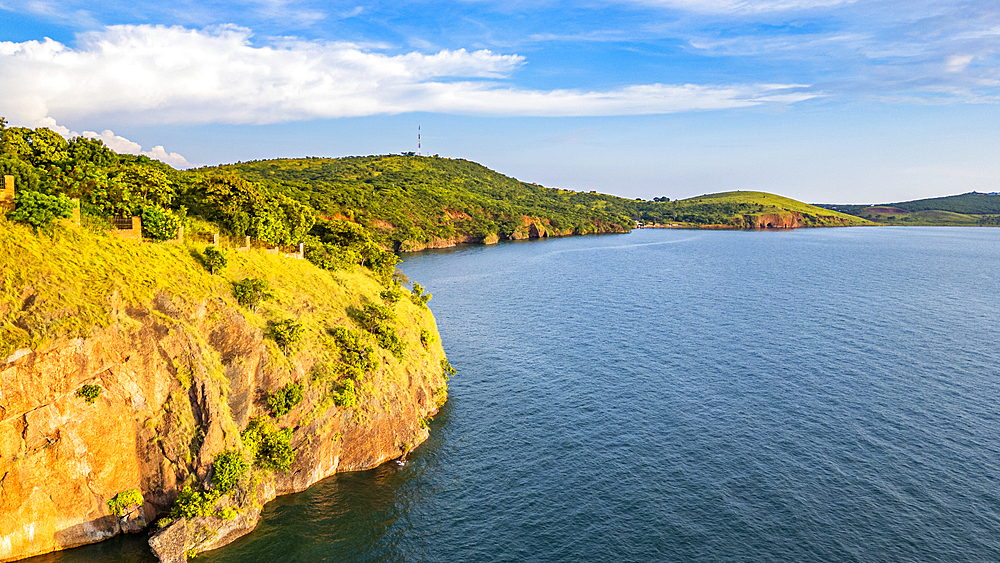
176, 389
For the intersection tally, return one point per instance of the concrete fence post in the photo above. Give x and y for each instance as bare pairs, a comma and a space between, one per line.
246, 241
215, 239
7, 196
302, 250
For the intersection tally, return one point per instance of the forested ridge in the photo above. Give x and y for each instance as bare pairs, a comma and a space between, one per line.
352, 210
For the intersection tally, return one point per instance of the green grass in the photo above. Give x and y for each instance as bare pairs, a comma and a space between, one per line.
771, 203
67, 283
70, 283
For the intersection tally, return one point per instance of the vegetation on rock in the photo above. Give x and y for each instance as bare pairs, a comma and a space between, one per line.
89, 392
118, 503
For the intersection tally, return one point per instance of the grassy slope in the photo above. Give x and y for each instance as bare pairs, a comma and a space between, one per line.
772, 202
424, 198
420, 199
65, 284
965, 209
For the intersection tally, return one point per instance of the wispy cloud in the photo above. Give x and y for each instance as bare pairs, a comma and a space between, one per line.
740, 7
156, 74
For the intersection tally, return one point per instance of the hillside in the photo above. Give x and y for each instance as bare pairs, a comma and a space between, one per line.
743, 210
136, 387
418, 202
959, 210
415, 202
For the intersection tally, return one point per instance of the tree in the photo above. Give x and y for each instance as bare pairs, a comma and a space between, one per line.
25, 175
419, 297
215, 259
158, 224
40, 210
249, 292
147, 184
287, 333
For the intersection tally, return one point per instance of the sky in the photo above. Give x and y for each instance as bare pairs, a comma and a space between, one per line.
826, 101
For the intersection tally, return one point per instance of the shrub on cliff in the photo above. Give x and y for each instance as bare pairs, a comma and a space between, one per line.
347, 397
250, 292
426, 338
191, 503
158, 224
354, 350
270, 448
215, 259
40, 210
283, 400
418, 296
227, 469
118, 503
287, 333
376, 319
89, 392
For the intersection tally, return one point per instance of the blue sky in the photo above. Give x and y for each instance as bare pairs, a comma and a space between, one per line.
833, 101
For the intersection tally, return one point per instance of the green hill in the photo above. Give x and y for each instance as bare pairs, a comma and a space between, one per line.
413, 202
959, 210
749, 209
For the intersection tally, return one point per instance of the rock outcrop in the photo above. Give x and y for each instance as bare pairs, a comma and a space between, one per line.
177, 385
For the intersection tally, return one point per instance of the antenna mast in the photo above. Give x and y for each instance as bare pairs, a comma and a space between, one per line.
418, 140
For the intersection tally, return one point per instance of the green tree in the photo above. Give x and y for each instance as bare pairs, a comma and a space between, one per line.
227, 469
25, 175
250, 292
215, 259
158, 224
40, 210
287, 333
147, 185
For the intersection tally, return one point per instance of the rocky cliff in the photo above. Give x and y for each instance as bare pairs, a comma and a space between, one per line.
178, 377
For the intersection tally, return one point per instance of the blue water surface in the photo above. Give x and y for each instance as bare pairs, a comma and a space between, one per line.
673, 395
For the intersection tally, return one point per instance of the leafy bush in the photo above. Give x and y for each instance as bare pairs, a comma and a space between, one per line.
390, 341
227, 469
158, 224
250, 292
215, 259
446, 368
270, 448
191, 503
89, 392
287, 333
375, 318
118, 503
392, 294
347, 397
426, 337
354, 351
418, 296
283, 400
40, 210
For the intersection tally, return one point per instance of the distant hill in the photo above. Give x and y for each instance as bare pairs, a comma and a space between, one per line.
972, 208
742, 209
418, 202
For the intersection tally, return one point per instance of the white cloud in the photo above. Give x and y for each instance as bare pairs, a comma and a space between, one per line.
172, 158
156, 74
122, 145
742, 7
114, 142
957, 63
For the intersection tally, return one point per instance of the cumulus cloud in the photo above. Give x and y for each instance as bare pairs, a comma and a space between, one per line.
157, 74
122, 145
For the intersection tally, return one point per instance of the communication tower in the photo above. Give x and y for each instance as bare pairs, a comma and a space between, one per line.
418, 140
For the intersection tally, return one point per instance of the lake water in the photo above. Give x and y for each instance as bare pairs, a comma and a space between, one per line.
668, 395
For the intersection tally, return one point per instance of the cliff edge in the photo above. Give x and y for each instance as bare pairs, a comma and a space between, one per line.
136, 392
